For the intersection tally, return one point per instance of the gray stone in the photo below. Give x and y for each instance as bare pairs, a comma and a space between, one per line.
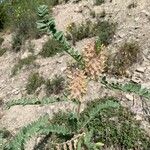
129, 97
141, 69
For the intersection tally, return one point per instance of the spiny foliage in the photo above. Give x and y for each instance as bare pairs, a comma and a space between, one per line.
77, 83
47, 23
33, 101
130, 87
23, 62
41, 126
34, 81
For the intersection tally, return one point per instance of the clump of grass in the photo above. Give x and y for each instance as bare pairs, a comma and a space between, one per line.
17, 42
105, 32
132, 5
1, 40
51, 48
23, 62
2, 51
127, 55
5, 137
34, 81
55, 86
103, 29
3, 16
79, 32
57, 2
99, 2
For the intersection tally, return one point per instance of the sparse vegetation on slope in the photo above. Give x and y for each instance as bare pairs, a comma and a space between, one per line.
23, 62
1, 41
51, 48
99, 2
79, 125
128, 54
34, 81
55, 86
79, 32
2, 51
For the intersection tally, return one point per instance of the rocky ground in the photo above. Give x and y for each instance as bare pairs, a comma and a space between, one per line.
132, 25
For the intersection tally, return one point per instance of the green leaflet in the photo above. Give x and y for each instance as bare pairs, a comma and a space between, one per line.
41, 126
128, 87
33, 101
47, 23
94, 111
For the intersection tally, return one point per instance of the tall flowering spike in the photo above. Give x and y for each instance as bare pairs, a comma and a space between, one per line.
77, 84
94, 60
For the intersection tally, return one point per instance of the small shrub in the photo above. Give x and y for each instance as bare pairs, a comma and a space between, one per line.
127, 55
132, 5
3, 16
57, 2
51, 48
34, 81
79, 32
31, 47
118, 128
103, 29
105, 32
23, 62
5, 137
99, 2
17, 42
2, 51
92, 14
1, 40
55, 86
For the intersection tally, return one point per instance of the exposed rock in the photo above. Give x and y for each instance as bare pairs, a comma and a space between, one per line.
25, 55
129, 97
140, 69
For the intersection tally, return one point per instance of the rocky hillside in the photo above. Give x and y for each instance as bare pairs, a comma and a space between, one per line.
132, 25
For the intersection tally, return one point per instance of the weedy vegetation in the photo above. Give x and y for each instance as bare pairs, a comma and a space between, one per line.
23, 63
99, 2
2, 51
1, 40
104, 30
128, 54
78, 32
104, 122
55, 86
17, 42
3, 16
51, 48
34, 81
